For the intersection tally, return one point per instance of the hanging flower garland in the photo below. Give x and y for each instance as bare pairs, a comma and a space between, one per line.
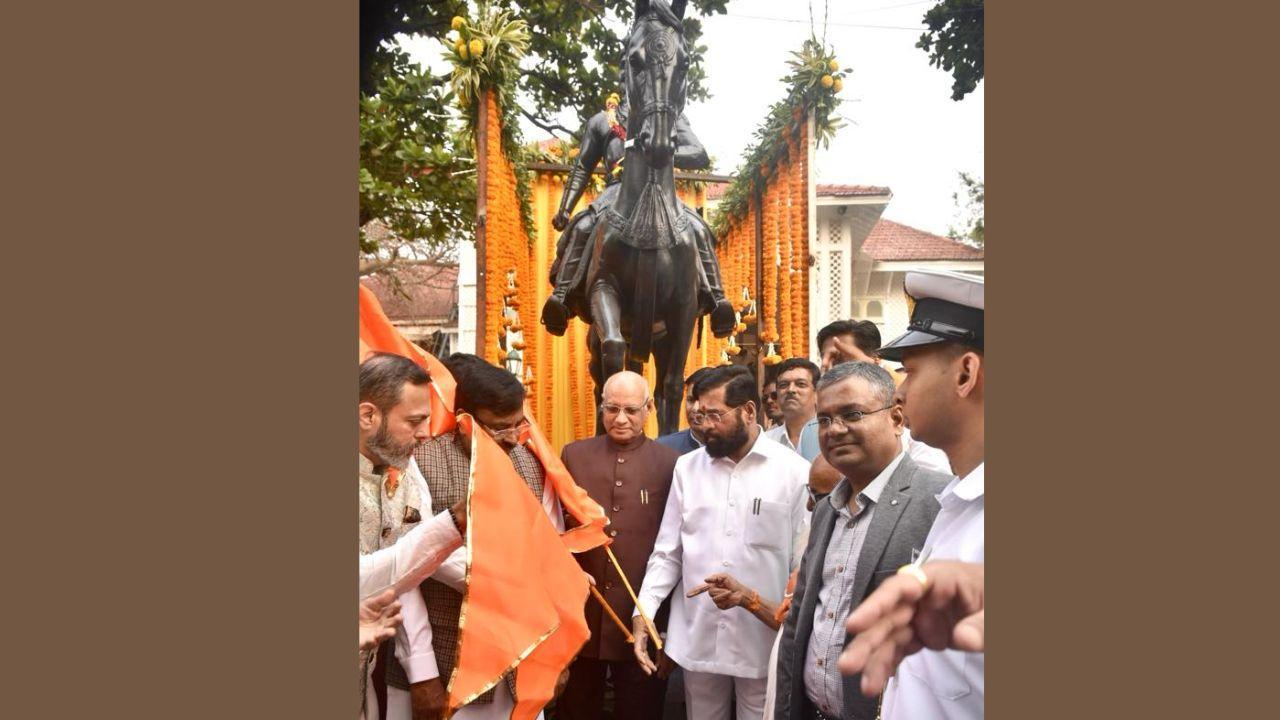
798, 249
801, 215
814, 84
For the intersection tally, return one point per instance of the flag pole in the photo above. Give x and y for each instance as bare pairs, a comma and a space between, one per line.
613, 615
653, 631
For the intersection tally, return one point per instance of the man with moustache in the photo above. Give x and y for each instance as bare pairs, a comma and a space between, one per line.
846, 341
942, 353
867, 528
393, 412
735, 506
769, 399
629, 476
690, 438
495, 399
797, 377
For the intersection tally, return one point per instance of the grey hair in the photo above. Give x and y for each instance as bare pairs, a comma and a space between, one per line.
877, 377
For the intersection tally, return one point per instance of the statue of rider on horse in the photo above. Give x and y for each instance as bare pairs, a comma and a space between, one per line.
637, 264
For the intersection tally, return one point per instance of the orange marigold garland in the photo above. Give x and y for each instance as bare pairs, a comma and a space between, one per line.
803, 223
798, 257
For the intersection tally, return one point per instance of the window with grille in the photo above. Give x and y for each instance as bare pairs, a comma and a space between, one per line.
835, 276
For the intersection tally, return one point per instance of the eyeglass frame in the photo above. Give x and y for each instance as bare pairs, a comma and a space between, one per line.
846, 423
722, 415
632, 411
516, 429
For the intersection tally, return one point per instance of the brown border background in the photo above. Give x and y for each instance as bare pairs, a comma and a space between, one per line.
180, 362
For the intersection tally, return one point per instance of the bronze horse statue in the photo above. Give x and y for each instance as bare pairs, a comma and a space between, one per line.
643, 277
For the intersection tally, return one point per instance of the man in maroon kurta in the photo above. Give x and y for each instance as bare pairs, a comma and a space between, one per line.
629, 475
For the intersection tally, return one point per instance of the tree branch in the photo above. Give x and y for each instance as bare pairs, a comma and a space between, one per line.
547, 124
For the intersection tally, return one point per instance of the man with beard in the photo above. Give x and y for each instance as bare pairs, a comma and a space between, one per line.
869, 526
495, 398
690, 438
393, 413
797, 378
629, 475
942, 353
735, 506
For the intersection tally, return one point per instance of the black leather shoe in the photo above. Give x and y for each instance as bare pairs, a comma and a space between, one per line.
555, 316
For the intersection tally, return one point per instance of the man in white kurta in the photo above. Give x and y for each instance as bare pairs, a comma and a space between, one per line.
736, 506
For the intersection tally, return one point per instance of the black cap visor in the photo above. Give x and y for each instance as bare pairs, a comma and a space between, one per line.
909, 339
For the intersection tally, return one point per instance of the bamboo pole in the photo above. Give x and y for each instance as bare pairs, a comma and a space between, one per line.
612, 615
653, 631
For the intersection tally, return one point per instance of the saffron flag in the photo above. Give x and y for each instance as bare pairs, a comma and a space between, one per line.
524, 604
590, 516
377, 334
525, 593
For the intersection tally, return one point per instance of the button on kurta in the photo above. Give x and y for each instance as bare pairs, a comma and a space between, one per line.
617, 509
618, 483
622, 459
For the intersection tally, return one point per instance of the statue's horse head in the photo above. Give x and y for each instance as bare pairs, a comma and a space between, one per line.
656, 66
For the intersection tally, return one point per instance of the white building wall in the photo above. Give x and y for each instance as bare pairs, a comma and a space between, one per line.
466, 341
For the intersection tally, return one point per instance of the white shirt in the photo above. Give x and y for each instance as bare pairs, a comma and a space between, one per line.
412, 559
413, 640
779, 435
946, 684
925, 455
738, 518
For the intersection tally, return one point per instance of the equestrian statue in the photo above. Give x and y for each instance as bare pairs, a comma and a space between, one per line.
637, 264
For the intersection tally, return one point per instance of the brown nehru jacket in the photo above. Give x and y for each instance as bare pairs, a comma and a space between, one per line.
630, 482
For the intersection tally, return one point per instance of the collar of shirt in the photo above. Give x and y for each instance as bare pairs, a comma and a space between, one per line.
763, 447
366, 467
839, 496
779, 435
968, 488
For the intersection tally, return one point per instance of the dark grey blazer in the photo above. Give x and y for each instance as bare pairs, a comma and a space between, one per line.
896, 529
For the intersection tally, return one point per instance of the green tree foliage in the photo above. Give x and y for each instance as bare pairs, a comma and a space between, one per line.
413, 181
416, 171
970, 211
954, 42
573, 56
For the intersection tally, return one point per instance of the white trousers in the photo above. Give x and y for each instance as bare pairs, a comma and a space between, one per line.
709, 696
400, 707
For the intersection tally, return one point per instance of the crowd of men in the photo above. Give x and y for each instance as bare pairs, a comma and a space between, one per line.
812, 551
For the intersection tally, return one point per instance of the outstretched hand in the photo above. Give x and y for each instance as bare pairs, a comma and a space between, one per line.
379, 616
841, 351
903, 616
725, 591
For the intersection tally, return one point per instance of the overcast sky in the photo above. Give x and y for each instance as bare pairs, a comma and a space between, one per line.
902, 128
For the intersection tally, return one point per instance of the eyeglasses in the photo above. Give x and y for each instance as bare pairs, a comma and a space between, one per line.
845, 419
513, 432
815, 497
714, 416
632, 411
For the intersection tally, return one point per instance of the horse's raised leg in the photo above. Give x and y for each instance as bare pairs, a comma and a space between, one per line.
606, 324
